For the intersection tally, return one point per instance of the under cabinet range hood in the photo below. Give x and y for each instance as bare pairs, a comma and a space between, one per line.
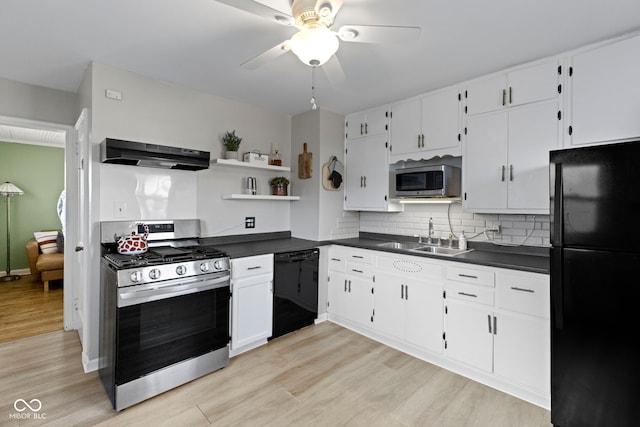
152, 155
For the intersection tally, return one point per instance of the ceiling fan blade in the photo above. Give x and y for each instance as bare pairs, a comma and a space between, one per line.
264, 57
378, 34
327, 9
333, 70
260, 10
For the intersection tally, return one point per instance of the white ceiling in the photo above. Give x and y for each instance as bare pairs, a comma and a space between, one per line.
201, 43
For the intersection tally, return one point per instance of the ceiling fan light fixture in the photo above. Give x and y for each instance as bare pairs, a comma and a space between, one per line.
314, 44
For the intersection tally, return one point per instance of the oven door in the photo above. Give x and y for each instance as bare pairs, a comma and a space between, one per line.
163, 331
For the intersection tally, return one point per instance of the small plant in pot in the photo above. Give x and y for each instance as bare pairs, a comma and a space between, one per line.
279, 186
231, 143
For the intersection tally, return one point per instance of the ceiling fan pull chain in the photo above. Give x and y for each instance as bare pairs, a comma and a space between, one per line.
313, 88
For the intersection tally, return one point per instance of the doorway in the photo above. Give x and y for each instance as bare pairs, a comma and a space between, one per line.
32, 310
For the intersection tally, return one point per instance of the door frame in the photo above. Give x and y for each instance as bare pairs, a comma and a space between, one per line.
70, 315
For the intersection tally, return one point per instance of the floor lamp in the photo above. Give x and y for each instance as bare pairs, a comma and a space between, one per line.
8, 190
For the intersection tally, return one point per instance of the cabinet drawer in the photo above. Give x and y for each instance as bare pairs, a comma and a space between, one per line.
251, 266
471, 293
469, 275
357, 269
364, 257
527, 294
337, 258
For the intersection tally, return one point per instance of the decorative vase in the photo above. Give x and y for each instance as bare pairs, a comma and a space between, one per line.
231, 155
279, 190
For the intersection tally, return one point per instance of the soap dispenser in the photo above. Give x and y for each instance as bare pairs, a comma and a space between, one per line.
462, 242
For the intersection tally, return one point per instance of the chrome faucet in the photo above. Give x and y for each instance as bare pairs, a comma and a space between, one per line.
430, 230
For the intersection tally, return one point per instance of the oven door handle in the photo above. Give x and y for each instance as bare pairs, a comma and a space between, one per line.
140, 294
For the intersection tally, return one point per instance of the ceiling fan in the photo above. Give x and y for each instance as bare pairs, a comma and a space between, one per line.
316, 43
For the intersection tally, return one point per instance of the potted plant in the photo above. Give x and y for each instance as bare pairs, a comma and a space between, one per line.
231, 143
279, 186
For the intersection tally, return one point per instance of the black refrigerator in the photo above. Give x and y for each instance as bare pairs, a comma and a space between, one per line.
595, 286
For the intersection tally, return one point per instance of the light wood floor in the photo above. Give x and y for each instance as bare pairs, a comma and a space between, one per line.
26, 310
323, 375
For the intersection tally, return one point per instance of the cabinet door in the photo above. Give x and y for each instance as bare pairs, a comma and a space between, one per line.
360, 306
441, 121
522, 350
485, 162
533, 84
354, 125
337, 295
533, 132
486, 95
469, 339
605, 93
405, 127
367, 180
390, 305
424, 323
376, 121
252, 310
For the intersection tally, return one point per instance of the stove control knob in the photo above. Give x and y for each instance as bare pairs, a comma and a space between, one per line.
204, 267
154, 274
181, 270
219, 265
136, 276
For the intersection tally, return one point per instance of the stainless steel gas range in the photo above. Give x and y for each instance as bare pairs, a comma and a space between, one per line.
164, 310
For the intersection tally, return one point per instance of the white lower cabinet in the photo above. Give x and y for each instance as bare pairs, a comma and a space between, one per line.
251, 302
350, 293
507, 336
408, 301
489, 324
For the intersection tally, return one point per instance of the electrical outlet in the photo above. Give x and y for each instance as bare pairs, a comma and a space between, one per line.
250, 222
494, 229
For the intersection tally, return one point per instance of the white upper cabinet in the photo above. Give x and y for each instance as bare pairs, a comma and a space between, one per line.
506, 159
367, 162
370, 122
523, 86
604, 85
426, 126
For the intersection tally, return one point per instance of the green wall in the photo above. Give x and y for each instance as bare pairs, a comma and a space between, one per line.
39, 172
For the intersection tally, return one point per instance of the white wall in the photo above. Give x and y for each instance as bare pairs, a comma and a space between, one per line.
319, 214
161, 113
37, 103
415, 220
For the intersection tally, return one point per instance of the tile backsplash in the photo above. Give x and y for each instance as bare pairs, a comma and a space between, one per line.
529, 230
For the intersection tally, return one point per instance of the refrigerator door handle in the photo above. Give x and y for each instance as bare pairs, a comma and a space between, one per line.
557, 207
557, 298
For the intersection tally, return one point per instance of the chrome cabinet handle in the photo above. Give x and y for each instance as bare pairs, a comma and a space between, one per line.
349, 286
469, 276
418, 140
495, 325
406, 292
510, 172
489, 319
366, 128
356, 271
510, 95
365, 182
254, 268
468, 295
504, 96
345, 285
79, 248
401, 291
336, 259
502, 178
361, 128
515, 288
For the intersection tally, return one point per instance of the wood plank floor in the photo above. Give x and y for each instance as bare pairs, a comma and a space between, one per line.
321, 375
26, 310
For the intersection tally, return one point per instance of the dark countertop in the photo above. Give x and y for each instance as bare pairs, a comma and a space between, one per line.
525, 258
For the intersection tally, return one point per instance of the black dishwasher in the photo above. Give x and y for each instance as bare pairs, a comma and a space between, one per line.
295, 290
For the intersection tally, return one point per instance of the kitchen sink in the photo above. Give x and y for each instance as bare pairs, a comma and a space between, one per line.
401, 245
424, 248
440, 250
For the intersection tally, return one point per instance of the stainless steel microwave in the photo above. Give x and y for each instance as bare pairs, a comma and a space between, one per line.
426, 181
